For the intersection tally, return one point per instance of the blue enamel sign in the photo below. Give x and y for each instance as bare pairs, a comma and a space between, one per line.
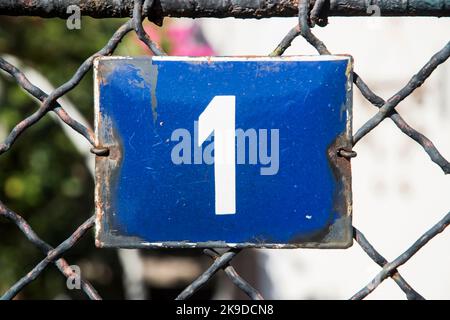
223, 152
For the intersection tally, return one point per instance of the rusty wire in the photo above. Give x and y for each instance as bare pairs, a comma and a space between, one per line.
157, 9
307, 19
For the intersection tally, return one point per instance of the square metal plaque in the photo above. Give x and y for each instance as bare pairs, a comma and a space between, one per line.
223, 152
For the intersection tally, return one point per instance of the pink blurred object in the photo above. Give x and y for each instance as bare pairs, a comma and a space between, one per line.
183, 40
188, 41
153, 33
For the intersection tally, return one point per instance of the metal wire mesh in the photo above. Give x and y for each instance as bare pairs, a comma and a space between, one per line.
307, 19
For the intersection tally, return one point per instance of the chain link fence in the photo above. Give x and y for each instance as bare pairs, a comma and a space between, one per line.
310, 13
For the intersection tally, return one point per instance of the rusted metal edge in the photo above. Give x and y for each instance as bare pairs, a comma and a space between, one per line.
157, 9
107, 168
341, 165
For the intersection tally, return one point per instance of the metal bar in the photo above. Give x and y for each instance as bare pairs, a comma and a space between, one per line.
421, 139
207, 275
416, 81
390, 267
36, 92
237, 280
53, 255
157, 9
49, 102
61, 263
142, 35
411, 294
374, 99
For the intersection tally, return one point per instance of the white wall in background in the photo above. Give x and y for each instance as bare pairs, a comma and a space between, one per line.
398, 192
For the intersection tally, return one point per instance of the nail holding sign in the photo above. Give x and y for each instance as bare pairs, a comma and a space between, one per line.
223, 152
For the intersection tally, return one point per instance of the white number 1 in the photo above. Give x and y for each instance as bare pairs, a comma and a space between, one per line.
219, 117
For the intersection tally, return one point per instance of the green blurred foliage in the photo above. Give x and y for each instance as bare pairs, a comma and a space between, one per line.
43, 177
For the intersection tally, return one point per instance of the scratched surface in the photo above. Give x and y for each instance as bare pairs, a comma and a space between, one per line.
144, 200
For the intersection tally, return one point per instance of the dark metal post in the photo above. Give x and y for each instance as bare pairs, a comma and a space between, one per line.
158, 9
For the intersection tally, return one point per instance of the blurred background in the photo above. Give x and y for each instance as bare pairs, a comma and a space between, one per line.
398, 193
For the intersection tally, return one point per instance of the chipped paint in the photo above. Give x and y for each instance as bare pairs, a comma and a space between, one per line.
338, 232
153, 83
